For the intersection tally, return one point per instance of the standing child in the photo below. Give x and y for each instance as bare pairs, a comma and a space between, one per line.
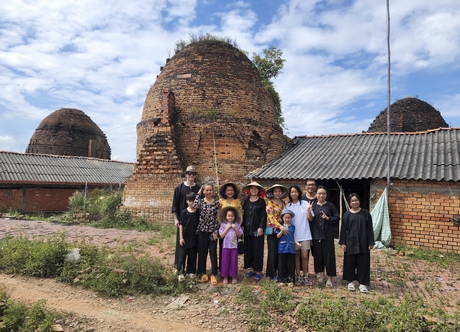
287, 249
229, 196
188, 239
230, 230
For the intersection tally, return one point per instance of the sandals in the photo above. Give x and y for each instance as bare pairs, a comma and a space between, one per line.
234, 281
250, 274
257, 277
214, 280
351, 287
204, 278
225, 281
363, 289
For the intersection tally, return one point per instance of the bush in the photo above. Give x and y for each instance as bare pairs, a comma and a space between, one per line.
38, 257
103, 207
17, 316
110, 272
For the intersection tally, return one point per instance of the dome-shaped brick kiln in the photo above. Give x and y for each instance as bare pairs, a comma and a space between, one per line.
69, 132
208, 108
409, 115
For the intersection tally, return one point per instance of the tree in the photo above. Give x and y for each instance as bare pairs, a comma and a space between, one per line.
270, 67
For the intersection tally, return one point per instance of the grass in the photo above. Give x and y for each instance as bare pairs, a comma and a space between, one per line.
324, 311
128, 270
18, 316
102, 210
109, 272
24, 216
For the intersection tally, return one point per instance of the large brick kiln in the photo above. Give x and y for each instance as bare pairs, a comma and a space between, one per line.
69, 132
207, 108
409, 115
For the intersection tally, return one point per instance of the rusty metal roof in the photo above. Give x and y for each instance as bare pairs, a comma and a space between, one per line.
27, 167
428, 155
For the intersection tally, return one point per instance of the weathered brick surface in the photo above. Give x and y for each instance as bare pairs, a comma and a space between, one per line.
69, 132
409, 115
206, 107
50, 198
37, 199
421, 213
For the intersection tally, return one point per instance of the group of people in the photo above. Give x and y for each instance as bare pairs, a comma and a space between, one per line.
293, 224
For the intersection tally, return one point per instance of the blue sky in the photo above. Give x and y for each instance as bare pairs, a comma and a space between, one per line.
102, 57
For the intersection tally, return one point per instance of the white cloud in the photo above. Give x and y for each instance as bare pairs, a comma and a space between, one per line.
102, 57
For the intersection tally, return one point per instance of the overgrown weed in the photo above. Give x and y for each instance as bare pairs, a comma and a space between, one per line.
17, 316
110, 272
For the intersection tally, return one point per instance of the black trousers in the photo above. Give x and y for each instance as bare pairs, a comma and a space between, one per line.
178, 253
286, 267
189, 255
357, 267
205, 246
254, 252
272, 256
324, 256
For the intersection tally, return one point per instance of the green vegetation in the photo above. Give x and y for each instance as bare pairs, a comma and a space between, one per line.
24, 216
270, 67
17, 316
110, 272
181, 44
212, 113
431, 256
322, 311
104, 212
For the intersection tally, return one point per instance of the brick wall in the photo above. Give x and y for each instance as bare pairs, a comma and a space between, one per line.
53, 198
36, 199
421, 213
11, 199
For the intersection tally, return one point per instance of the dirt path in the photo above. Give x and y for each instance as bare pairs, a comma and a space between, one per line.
205, 309
90, 312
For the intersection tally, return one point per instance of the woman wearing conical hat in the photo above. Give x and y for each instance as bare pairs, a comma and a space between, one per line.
254, 223
275, 206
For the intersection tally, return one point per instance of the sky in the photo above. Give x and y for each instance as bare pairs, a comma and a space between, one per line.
102, 57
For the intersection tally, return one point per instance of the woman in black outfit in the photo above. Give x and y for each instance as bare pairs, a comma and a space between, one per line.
254, 223
324, 219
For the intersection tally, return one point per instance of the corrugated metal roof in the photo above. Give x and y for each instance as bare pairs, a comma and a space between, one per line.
25, 167
430, 155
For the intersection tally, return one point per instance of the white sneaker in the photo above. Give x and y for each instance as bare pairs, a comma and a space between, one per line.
363, 289
192, 275
181, 277
351, 286
319, 278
